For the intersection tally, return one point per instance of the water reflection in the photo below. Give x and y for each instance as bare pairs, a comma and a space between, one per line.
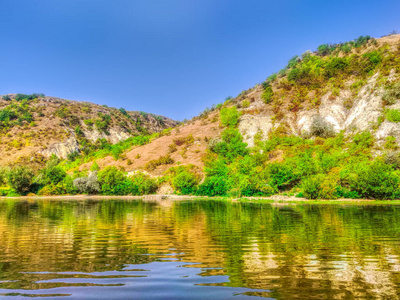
198, 249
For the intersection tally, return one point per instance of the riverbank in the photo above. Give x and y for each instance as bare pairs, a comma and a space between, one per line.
276, 199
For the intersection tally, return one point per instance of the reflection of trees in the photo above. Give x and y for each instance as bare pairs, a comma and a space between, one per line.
333, 251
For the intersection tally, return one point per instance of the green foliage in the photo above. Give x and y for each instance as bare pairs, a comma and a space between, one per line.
376, 180
232, 144
6, 98
112, 180
229, 116
183, 179
267, 94
94, 167
143, 184
20, 178
392, 115
73, 156
20, 97
391, 143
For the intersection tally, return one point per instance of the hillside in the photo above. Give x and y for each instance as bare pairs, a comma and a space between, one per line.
350, 101
325, 126
33, 127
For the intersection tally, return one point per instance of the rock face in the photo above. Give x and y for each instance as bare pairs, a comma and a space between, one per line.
364, 114
62, 149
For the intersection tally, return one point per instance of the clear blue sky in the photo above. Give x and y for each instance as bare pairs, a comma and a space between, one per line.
169, 57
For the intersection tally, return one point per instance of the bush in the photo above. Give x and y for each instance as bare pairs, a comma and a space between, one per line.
6, 98
3, 176
312, 186
143, 184
392, 94
94, 167
213, 186
363, 139
184, 182
87, 185
20, 179
229, 116
73, 156
267, 94
391, 143
392, 115
321, 128
109, 179
232, 145
376, 180
162, 160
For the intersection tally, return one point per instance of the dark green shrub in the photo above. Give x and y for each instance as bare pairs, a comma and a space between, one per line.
282, 176
6, 98
109, 179
184, 182
213, 186
143, 184
20, 178
376, 180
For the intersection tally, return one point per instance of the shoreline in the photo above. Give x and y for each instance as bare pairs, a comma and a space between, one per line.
277, 199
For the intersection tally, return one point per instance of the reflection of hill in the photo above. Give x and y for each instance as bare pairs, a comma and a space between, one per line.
335, 252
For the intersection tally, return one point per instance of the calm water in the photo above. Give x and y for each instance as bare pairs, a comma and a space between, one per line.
197, 250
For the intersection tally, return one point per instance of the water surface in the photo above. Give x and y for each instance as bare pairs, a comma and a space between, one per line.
122, 249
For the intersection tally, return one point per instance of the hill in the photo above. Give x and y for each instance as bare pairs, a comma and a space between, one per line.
33, 127
325, 126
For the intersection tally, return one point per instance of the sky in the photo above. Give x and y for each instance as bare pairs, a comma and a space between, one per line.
169, 57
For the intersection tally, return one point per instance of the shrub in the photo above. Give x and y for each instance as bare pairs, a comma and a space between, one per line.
109, 179
162, 160
73, 156
312, 186
392, 94
94, 167
391, 143
321, 128
363, 139
6, 98
183, 180
267, 94
213, 186
188, 140
232, 145
393, 158
87, 185
392, 115
3, 176
143, 184
245, 103
229, 116
20, 179
376, 180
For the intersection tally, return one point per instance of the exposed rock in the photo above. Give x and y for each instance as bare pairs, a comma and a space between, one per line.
61, 149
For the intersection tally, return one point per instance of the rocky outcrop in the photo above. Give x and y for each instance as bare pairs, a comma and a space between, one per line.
61, 149
364, 114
